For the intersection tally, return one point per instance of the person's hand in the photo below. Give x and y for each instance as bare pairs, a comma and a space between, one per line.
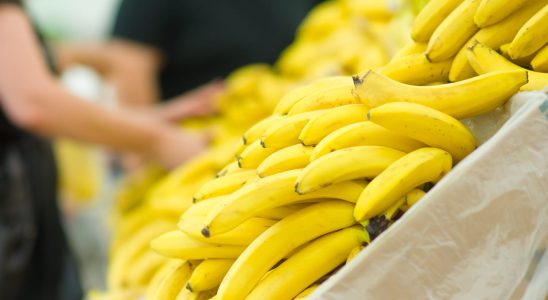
177, 146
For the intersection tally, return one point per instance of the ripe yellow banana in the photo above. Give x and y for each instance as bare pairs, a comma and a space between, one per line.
273, 191
532, 36
490, 12
253, 155
242, 235
255, 132
328, 98
208, 274
485, 60
413, 197
285, 132
355, 251
290, 158
143, 268
430, 18
309, 264
230, 168
170, 286
278, 241
166, 269
345, 164
493, 36
332, 119
364, 134
224, 185
540, 61
177, 244
418, 167
409, 49
415, 69
186, 294
461, 99
295, 95
425, 124
453, 32
131, 249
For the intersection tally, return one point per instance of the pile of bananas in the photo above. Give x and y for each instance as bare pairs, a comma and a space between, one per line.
339, 160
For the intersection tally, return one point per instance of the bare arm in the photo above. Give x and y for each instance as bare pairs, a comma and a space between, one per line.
34, 100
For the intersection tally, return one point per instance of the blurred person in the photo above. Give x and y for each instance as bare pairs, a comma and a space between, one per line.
35, 260
161, 49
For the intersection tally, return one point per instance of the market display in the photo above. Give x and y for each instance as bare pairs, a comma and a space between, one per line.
313, 159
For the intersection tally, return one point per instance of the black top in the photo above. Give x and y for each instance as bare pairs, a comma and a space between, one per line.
205, 39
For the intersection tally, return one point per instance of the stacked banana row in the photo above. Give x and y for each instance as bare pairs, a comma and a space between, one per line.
458, 39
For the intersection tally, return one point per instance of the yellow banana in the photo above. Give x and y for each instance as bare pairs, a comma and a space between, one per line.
490, 12
332, 119
208, 274
453, 32
532, 36
409, 49
131, 249
186, 294
414, 196
290, 158
255, 132
364, 134
417, 70
485, 60
522, 61
170, 286
540, 61
418, 167
177, 244
493, 36
328, 98
253, 155
430, 18
371, 9
345, 164
278, 213
143, 268
309, 264
278, 241
286, 131
355, 251
427, 125
295, 95
273, 191
242, 235
167, 268
231, 168
224, 185
461, 99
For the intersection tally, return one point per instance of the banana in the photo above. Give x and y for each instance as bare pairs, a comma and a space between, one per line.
430, 18
255, 132
290, 158
177, 244
418, 167
328, 98
242, 235
309, 264
223, 185
522, 61
276, 190
485, 60
453, 32
285, 132
364, 134
346, 164
414, 196
415, 69
143, 268
130, 250
208, 274
461, 99
186, 294
540, 61
170, 286
278, 213
231, 168
253, 155
167, 268
490, 12
304, 294
295, 95
278, 241
353, 253
532, 36
322, 125
371, 9
409, 49
426, 125
493, 36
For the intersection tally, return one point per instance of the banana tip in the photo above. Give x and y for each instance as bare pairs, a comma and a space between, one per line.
262, 143
205, 232
244, 140
369, 116
297, 189
188, 287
